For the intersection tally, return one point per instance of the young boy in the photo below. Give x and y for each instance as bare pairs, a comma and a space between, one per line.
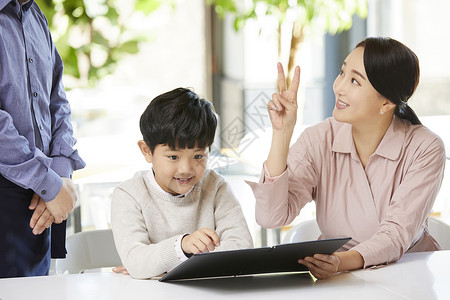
177, 208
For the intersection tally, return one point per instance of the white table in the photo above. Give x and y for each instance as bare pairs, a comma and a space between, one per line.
423, 275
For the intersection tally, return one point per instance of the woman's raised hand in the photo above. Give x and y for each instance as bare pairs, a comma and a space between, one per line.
283, 106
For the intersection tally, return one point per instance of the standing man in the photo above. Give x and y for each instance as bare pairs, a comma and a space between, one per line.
37, 158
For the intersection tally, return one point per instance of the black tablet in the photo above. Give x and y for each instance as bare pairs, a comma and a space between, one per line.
276, 259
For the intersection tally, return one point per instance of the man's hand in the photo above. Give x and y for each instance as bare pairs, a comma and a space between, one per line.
200, 241
41, 218
62, 205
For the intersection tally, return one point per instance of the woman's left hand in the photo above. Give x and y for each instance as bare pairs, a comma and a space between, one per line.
321, 266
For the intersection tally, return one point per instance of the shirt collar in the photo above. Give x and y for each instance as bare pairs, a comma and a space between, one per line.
392, 143
3, 3
343, 139
26, 6
390, 146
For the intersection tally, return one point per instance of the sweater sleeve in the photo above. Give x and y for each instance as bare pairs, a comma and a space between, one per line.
142, 258
231, 225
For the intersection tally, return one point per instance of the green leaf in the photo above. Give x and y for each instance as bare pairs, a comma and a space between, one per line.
129, 47
113, 16
147, 6
98, 38
71, 63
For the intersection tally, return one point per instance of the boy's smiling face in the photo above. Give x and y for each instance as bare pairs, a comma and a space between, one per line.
176, 171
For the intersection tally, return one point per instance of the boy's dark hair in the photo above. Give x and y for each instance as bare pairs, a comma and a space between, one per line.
179, 119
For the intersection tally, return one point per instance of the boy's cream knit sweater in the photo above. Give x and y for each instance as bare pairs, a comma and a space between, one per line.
147, 222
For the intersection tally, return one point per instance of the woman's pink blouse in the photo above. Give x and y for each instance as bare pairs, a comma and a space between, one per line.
383, 207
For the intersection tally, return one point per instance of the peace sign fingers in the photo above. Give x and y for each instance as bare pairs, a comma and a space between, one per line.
281, 78
283, 106
293, 89
295, 81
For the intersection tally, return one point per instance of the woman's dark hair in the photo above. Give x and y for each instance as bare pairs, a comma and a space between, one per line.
393, 70
179, 119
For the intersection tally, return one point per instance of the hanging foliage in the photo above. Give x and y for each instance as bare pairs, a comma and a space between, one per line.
332, 16
93, 36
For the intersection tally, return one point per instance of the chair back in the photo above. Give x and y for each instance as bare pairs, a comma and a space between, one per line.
309, 231
440, 231
302, 232
86, 250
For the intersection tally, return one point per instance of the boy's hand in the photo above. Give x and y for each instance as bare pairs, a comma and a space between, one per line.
121, 269
200, 241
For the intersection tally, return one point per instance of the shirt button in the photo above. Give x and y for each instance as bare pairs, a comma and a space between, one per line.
30, 60
35, 94
40, 127
43, 192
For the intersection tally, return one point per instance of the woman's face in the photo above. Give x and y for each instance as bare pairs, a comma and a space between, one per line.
357, 101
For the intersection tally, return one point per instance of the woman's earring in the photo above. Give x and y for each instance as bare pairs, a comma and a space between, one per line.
381, 112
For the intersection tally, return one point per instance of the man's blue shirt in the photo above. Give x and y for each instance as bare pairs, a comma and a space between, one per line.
36, 136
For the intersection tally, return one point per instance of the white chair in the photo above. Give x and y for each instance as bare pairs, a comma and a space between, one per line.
309, 230
87, 250
304, 231
440, 231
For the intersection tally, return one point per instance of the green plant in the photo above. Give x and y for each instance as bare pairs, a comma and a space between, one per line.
92, 36
330, 16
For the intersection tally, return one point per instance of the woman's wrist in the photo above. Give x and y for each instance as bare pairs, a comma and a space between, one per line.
277, 159
283, 133
349, 260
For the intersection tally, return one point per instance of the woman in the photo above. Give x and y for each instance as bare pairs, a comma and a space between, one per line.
373, 170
